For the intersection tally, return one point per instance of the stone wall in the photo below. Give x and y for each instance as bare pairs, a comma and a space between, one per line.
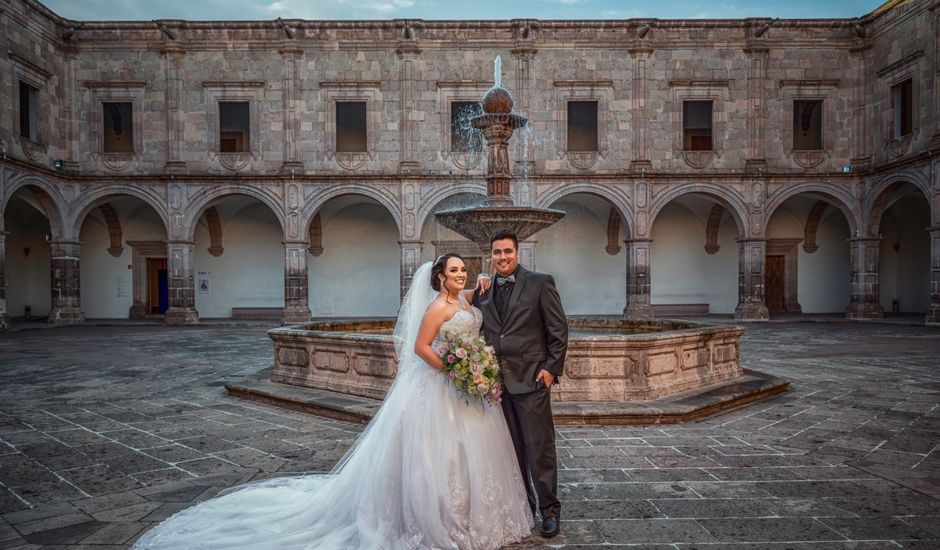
408, 72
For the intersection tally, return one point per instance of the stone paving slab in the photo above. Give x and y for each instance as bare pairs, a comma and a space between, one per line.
106, 430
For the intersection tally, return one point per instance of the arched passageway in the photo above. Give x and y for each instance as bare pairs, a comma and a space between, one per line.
354, 248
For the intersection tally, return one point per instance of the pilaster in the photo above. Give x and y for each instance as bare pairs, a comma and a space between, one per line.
4, 316
752, 258
410, 256
638, 280
181, 284
66, 283
933, 310
864, 290
296, 304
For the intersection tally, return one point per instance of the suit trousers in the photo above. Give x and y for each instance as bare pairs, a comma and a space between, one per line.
529, 416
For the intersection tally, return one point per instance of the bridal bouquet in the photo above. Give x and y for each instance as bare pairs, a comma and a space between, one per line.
471, 365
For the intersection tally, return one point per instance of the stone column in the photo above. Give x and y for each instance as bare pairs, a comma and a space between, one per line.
756, 113
291, 115
933, 310
181, 284
641, 149
4, 316
296, 306
864, 291
638, 280
751, 261
174, 107
410, 258
861, 111
408, 51
527, 254
66, 283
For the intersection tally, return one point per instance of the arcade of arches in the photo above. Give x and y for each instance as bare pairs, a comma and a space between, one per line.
752, 167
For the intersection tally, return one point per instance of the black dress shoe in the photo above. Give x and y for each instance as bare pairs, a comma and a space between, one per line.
550, 527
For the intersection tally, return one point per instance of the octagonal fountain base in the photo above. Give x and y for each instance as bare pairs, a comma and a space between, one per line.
616, 372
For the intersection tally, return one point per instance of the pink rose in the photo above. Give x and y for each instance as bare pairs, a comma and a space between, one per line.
451, 358
462, 353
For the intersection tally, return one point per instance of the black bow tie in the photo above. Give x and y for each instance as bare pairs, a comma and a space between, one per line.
503, 280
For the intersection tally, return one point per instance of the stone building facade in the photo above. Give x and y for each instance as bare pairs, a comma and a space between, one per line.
866, 91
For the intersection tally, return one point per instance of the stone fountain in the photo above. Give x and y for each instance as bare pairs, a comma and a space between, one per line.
617, 371
498, 122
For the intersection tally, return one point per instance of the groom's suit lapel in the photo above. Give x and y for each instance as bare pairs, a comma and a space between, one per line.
490, 303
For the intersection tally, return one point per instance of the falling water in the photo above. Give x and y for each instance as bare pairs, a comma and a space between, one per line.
498, 72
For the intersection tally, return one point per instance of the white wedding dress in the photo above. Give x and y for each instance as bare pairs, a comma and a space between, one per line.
429, 471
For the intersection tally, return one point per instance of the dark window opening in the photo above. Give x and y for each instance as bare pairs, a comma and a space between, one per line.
807, 125
351, 127
697, 125
464, 138
118, 127
902, 104
582, 126
233, 127
29, 111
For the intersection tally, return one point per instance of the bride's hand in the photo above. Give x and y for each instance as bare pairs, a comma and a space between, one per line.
483, 282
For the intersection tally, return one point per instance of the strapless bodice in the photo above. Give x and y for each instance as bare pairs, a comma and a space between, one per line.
465, 321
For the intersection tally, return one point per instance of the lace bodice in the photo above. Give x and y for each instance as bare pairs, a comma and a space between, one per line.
465, 321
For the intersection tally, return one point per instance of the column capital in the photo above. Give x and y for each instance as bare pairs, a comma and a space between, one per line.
632, 241
180, 242
866, 239
404, 243
298, 244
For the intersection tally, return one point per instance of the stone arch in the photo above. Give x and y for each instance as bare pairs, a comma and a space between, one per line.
711, 229
53, 204
723, 196
95, 198
611, 195
215, 231
839, 198
115, 232
439, 194
812, 224
879, 198
315, 203
204, 199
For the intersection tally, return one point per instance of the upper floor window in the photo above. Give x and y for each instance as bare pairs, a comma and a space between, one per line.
697, 126
118, 127
351, 127
582, 126
807, 125
464, 138
29, 111
234, 127
902, 105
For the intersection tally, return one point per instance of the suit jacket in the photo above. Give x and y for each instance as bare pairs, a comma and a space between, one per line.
534, 333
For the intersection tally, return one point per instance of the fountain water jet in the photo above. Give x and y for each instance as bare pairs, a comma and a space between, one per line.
478, 223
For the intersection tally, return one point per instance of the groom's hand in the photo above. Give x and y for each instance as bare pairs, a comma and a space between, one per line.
545, 377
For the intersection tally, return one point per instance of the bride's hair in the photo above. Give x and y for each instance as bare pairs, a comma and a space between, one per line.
438, 268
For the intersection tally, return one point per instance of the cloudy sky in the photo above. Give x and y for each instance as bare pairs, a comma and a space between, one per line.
92, 10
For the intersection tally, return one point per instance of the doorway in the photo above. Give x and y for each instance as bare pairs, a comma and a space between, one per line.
775, 289
158, 293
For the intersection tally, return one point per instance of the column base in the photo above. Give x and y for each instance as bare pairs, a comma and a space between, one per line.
4, 321
637, 312
933, 315
294, 315
66, 316
751, 312
860, 312
794, 307
138, 311
181, 316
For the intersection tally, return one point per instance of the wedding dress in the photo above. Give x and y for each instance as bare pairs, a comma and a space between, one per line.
430, 471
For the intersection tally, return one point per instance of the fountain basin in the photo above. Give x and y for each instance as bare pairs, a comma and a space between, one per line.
609, 359
479, 223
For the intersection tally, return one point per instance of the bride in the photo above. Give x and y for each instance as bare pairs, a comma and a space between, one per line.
429, 471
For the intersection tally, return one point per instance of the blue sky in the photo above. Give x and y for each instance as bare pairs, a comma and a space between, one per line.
449, 9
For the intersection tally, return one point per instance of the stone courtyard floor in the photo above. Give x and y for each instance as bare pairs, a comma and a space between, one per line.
106, 430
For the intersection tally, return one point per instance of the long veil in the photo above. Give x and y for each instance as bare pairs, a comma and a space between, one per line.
416, 302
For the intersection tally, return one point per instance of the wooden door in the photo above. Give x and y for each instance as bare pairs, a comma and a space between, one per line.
156, 285
774, 290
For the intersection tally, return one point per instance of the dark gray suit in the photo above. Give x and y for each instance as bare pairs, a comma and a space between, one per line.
530, 335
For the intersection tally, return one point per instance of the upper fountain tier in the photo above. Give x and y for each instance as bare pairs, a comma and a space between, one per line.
498, 212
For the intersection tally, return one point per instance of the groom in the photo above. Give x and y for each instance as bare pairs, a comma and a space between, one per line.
523, 319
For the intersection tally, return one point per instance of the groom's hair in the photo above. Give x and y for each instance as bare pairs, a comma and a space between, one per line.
504, 234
